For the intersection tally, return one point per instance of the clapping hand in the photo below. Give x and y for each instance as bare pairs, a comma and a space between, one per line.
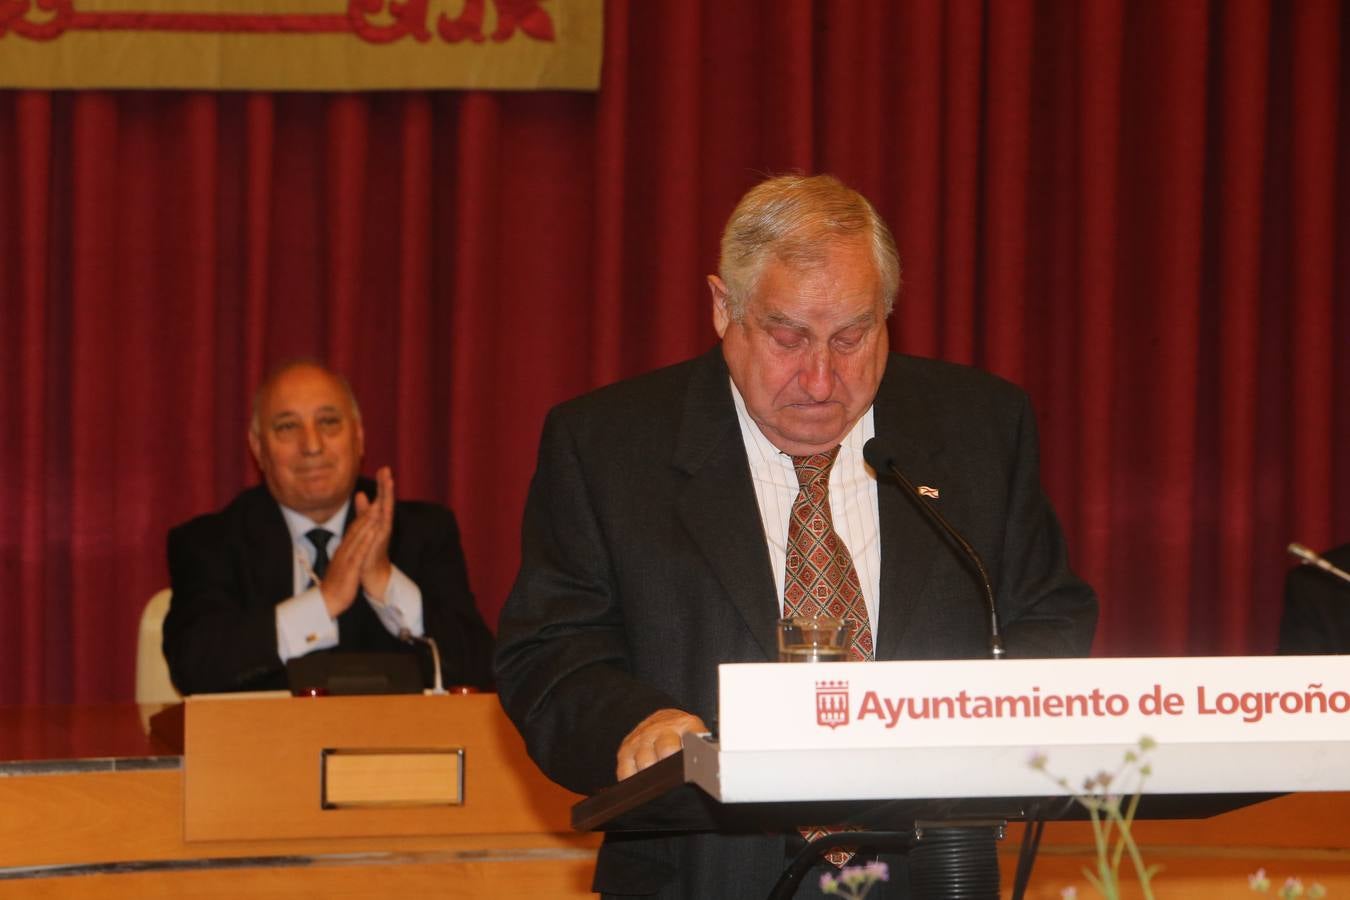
362, 559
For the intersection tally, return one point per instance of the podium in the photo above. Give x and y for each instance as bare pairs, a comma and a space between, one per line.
895, 743
354, 796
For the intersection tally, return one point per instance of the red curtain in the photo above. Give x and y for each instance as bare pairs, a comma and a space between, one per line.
1138, 210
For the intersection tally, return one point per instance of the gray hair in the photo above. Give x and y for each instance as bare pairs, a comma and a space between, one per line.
302, 362
793, 217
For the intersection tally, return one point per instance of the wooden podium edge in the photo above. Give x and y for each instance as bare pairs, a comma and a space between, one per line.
632, 793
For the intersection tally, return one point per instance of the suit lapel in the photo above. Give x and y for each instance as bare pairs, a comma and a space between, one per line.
908, 542
363, 486
717, 504
271, 561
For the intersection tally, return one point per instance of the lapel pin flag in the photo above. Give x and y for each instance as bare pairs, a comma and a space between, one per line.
930, 492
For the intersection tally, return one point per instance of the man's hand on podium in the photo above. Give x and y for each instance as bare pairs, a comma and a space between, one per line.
655, 738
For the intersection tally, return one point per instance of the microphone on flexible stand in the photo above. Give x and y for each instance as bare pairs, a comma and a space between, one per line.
408, 637
879, 457
1310, 558
953, 855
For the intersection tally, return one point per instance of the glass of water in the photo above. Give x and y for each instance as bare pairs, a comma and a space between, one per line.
804, 639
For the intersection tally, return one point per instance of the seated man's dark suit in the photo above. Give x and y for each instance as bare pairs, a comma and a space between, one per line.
228, 571
1317, 608
645, 566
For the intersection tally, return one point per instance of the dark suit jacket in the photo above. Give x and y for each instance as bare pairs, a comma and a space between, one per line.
1317, 608
229, 569
644, 566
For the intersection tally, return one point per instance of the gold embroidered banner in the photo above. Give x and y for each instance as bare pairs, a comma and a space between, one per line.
301, 44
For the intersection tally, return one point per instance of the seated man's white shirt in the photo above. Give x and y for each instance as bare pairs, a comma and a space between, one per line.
853, 501
303, 623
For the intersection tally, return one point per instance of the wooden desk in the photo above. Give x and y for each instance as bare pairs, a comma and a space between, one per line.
91, 807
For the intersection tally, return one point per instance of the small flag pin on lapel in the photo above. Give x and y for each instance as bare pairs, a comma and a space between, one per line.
930, 492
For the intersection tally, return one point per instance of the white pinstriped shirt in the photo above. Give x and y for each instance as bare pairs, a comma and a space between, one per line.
853, 501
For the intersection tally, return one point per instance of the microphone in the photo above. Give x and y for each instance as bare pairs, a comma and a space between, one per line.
879, 457
407, 637
1310, 558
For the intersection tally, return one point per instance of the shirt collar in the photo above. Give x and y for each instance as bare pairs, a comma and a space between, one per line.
300, 524
862, 431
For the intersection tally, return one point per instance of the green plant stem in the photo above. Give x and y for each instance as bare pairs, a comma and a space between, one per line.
1145, 873
1118, 848
1126, 842
1108, 886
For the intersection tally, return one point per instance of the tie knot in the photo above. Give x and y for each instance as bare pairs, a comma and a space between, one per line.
813, 469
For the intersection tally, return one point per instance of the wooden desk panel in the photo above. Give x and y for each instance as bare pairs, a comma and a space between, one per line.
254, 767
100, 817
409, 879
92, 827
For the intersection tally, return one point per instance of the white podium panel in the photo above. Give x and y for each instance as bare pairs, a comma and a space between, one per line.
970, 728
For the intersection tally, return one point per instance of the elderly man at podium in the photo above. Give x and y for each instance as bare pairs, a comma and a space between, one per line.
315, 559
673, 519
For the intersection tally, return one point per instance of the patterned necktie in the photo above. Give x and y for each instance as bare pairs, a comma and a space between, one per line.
820, 578
319, 537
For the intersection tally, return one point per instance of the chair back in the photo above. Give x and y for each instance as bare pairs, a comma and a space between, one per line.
153, 684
